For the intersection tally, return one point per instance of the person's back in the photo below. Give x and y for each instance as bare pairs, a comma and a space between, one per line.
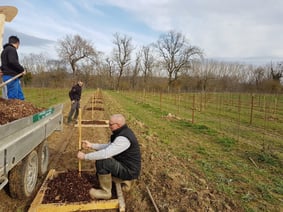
9, 58
11, 67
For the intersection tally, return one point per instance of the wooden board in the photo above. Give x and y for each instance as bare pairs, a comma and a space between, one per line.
38, 206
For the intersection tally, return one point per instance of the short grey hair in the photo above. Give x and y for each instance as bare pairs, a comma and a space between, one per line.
119, 119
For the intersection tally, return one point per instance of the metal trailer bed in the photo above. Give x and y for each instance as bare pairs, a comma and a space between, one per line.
24, 151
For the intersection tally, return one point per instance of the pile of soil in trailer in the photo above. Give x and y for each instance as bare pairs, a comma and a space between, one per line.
13, 109
70, 186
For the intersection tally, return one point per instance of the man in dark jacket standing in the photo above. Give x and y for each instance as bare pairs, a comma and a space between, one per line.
11, 67
119, 160
75, 97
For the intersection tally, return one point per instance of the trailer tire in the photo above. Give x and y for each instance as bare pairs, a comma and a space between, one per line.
23, 177
43, 158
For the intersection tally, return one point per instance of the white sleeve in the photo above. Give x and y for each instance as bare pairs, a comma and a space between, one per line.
120, 144
99, 146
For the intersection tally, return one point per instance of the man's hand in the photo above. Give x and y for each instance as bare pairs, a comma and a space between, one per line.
81, 155
86, 144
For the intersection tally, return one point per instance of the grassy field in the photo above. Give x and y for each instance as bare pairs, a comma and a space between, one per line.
242, 154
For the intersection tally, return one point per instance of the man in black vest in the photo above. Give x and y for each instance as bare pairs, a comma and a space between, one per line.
120, 158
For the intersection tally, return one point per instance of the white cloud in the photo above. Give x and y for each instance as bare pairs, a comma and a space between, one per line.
221, 28
235, 28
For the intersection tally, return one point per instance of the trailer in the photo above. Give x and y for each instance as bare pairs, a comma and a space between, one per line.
24, 153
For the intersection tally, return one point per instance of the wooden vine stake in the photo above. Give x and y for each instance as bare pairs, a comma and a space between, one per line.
92, 106
193, 109
80, 138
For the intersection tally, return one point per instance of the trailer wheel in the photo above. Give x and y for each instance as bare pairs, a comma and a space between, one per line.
43, 158
23, 177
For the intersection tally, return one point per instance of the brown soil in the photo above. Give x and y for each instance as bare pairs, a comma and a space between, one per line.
71, 186
95, 108
97, 122
171, 184
13, 109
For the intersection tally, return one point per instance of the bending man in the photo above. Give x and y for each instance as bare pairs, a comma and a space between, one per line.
120, 158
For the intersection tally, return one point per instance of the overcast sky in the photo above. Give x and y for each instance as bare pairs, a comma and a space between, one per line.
227, 29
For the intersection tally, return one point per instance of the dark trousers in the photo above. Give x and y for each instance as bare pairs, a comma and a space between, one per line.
74, 110
114, 167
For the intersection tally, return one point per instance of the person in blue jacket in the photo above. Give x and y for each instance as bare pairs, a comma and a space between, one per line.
11, 67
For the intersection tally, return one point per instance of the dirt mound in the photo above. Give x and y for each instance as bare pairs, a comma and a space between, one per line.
13, 109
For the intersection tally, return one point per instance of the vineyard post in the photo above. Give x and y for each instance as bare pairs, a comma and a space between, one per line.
160, 100
193, 109
200, 102
143, 99
179, 102
220, 108
205, 99
80, 138
252, 107
275, 106
92, 106
264, 126
239, 116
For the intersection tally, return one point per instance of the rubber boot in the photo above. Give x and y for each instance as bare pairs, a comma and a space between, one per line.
105, 192
125, 184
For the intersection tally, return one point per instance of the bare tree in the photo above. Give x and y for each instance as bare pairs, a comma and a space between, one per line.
122, 53
147, 63
37, 64
136, 70
110, 69
258, 76
204, 71
176, 53
57, 73
277, 72
73, 49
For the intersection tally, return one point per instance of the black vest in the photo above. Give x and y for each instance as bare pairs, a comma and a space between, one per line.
131, 157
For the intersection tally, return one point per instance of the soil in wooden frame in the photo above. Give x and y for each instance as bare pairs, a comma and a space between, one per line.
70, 187
96, 122
97, 101
95, 108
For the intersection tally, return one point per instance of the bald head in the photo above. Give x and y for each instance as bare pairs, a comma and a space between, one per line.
119, 119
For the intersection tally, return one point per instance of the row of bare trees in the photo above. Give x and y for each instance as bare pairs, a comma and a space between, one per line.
169, 63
